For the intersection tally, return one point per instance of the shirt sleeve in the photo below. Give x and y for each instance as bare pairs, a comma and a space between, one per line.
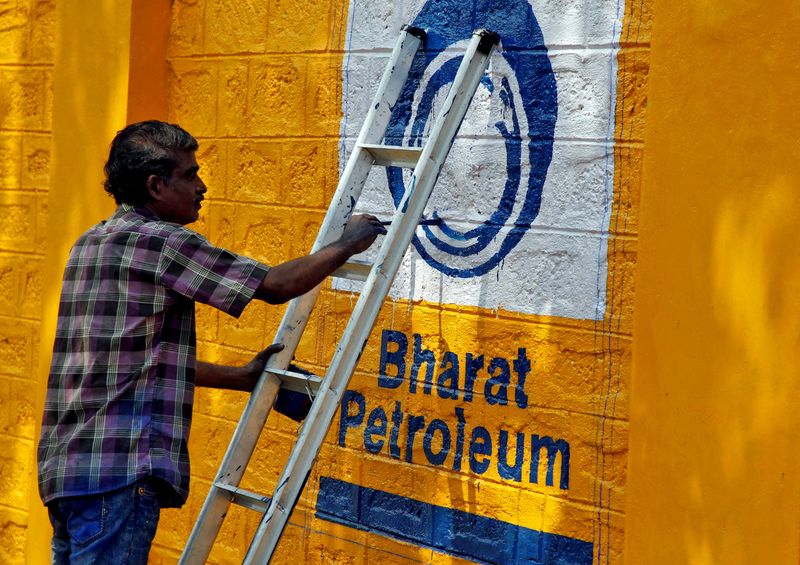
194, 268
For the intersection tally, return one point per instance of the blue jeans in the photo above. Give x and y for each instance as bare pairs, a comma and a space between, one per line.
112, 527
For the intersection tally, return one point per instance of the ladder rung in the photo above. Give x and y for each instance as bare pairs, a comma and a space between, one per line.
245, 498
298, 382
394, 155
354, 271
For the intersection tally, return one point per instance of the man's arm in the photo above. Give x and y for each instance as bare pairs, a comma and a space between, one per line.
298, 276
234, 378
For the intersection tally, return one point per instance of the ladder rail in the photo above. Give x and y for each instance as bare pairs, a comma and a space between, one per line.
245, 437
347, 355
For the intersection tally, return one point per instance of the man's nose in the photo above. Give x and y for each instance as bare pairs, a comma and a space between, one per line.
201, 186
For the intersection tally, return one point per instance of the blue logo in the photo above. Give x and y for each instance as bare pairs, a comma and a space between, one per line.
522, 90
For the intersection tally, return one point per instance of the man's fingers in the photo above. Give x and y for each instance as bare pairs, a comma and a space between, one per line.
263, 355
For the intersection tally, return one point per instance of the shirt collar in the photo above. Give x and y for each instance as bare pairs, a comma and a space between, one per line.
144, 211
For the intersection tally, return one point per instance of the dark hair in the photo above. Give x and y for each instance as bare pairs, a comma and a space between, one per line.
140, 150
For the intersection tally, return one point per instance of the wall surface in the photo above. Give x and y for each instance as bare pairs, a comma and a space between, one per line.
487, 420
26, 71
508, 406
714, 474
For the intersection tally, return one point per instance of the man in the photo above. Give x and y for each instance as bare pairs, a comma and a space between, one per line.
113, 448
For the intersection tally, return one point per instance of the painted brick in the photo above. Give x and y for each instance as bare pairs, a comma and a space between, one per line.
16, 233
16, 462
235, 27
207, 319
622, 285
275, 96
208, 439
254, 172
332, 549
13, 532
381, 549
220, 220
627, 190
20, 408
393, 14
307, 227
232, 96
36, 162
48, 99
186, 28
212, 158
261, 233
248, 330
639, 26
14, 31
10, 274
43, 31
287, 35
268, 460
305, 173
632, 95
226, 405
41, 213
10, 159
22, 100
16, 346
323, 90
293, 541
192, 96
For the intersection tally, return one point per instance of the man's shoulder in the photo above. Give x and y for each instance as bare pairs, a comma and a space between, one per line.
132, 228
134, 220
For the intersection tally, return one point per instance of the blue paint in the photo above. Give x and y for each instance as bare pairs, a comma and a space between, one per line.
449, 22
447, 530
396, 358
393, 363
376, 425
437, 440
553, 448
348, 420
436, 458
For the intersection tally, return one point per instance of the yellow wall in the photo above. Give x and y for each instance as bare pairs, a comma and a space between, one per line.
714, 474
26, 73
703, 358
263, 96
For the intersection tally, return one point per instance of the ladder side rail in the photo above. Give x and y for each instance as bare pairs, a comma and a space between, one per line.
311, 437
245, 437
360, 161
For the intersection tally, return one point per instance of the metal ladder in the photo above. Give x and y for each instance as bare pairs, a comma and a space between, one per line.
427, 161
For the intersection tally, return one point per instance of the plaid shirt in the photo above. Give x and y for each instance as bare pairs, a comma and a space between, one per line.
119, 397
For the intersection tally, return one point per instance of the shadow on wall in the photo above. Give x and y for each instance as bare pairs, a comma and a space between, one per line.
88, 91
754, 291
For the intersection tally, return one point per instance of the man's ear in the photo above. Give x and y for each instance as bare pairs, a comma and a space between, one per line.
154, 187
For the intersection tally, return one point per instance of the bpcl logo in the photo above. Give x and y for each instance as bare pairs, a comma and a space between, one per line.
516, 107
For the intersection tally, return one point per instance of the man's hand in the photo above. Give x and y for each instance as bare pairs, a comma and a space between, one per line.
255, 367
361, 231
235, 378
298, 276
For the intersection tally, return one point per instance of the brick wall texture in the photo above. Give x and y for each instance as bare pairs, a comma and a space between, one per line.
26, 61
264, 86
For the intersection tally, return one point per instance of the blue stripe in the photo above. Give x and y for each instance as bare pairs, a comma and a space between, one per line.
465, 535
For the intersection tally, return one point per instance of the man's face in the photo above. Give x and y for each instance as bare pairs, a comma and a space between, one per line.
178, 199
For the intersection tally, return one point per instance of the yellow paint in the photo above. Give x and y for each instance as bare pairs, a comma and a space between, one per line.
94, 67
26, 66
267, 112
263, 96
714, 473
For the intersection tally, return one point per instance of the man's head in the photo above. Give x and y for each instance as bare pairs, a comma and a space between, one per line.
152, 163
